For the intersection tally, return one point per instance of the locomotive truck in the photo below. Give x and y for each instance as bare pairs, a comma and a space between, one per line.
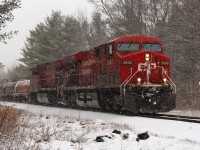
129, 73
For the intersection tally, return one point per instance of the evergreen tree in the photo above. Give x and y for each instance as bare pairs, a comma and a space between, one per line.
58, 36
98, 30
6, 8
84, 26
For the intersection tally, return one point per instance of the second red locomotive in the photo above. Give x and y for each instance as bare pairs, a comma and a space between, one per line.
130, 73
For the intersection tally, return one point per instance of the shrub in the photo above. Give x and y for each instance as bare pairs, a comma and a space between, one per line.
9, 117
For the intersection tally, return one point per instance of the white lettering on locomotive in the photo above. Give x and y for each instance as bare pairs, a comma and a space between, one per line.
143, 66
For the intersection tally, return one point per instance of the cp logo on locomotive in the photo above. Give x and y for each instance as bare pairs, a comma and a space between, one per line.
144, 66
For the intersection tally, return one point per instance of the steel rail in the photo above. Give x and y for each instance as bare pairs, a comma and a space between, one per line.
171, 117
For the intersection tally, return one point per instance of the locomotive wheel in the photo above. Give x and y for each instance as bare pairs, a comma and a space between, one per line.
107, 104
116, 107
73, 100
19, 99
33, 98
115, 103
104, 100
66, 100
101, 101
52, 98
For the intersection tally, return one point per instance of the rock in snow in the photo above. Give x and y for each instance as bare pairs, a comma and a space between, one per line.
116, 131
125, 136
100, 138
142, 136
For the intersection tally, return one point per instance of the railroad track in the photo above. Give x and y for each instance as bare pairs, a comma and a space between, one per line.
155, 116
172, 117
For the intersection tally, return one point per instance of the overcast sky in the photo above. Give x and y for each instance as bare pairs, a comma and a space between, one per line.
28, 16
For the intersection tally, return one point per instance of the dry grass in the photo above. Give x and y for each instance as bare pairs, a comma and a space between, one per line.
9, 117
123, 126
9, 127
21, 130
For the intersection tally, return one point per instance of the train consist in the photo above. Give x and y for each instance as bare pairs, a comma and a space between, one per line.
128, 73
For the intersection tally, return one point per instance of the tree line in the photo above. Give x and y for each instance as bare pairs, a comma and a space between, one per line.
176, 22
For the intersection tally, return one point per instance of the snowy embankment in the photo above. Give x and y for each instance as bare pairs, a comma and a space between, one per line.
61, 128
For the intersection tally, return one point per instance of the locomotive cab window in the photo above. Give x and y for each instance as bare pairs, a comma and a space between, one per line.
151, 46
128, 46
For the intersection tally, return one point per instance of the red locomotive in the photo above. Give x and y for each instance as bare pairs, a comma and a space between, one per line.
130, 73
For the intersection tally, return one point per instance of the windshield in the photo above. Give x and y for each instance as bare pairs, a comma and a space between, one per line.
128, 46
151, 46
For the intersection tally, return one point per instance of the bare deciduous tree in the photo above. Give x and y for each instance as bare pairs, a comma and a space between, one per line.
135, 16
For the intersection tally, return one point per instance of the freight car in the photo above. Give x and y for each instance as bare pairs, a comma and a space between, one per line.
9, 90
2, 83
22, 89
128, 73
17, 91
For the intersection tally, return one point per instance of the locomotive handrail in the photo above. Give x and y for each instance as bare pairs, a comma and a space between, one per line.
128, 79
171, 82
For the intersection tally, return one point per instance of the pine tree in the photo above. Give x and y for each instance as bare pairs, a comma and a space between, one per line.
98, 30
6, 8
53, 39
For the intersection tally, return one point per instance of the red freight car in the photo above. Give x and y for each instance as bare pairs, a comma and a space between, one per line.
130, 73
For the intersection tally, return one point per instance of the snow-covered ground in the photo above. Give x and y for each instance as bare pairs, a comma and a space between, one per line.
76, 129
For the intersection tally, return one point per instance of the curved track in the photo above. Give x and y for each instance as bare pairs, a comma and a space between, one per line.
171, 117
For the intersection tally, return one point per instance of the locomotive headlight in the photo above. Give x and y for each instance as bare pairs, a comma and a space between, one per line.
139, 80
165, 80
147, 57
